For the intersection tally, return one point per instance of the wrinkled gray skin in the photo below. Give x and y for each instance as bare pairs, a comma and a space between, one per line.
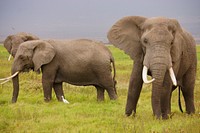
78, 62
158, 43
12, 42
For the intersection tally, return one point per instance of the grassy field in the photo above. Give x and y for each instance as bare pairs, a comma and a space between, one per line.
84, 114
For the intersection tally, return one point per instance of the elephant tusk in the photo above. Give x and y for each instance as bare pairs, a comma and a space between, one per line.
9, 57
8, 78
5, 81
144, 76
64, 100
172, 75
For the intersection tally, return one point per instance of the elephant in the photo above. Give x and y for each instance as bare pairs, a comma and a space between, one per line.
161, 48
80, 62
12, 42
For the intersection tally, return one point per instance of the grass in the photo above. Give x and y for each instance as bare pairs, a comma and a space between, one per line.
84, 113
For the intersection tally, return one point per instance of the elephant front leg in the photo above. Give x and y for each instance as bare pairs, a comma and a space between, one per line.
188, 90
165, 102
47, 88
166, 92
135, 86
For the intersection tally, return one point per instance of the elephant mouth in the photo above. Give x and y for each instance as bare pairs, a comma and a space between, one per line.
27, 68
145, 80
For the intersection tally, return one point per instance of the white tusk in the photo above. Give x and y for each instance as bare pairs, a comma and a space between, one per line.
5, 81
144, 76
9, 57
64, 100
8, 78
172, 75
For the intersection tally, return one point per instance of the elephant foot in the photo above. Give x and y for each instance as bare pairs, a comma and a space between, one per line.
113, 97
14, 101
47, 99
165, 117
129, 113
100, 100
132, 114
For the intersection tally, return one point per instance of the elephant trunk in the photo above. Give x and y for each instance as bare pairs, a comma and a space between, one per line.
158, 72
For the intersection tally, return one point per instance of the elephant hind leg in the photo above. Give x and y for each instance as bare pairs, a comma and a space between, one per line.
111, 92
106, 82
100, 93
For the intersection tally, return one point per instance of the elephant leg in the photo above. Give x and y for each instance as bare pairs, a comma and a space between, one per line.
169, 107
165, 102
108, 84
188, 91
100, 93
47, 88
135, 87
166, 92
110, 89
112, 94
58, 89
47, 83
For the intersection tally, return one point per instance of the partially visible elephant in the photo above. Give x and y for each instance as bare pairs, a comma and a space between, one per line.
79, 62
12, 42
162, 49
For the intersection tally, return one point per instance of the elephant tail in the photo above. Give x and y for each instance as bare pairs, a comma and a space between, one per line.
114, 72
179, 99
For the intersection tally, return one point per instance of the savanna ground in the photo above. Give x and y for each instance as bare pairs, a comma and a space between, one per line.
84, 113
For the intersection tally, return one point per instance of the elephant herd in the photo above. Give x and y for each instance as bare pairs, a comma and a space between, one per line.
159, 46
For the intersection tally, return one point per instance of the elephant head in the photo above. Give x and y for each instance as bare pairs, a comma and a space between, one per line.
30, 55
12, 42
153, 42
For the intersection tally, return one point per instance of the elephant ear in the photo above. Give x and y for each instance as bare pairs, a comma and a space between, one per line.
43, 54
125, 34
7, 44
178, 42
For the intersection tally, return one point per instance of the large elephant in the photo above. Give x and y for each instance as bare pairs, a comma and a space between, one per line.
12, 42
161, 48
79, 62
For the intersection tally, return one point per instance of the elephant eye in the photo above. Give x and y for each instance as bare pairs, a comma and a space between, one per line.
145, 40
21, 57
172, 42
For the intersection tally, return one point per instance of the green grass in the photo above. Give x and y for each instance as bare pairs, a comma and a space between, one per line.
84, 113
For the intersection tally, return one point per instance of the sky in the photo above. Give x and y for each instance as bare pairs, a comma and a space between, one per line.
72, 19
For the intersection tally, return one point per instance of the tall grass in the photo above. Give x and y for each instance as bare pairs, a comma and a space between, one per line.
84, 113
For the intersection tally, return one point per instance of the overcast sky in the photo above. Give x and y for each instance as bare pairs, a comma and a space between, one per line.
66, 19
